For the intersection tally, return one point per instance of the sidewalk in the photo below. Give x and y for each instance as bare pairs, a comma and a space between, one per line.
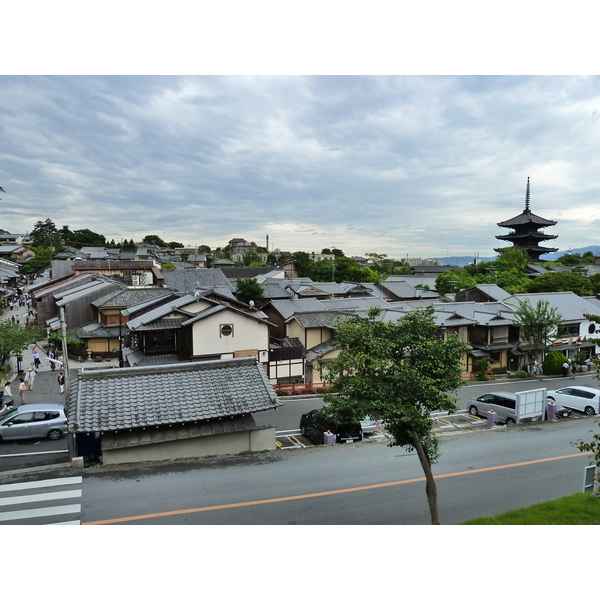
45, 387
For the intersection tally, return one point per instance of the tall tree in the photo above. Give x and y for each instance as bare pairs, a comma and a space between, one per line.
399, 372
45, 235
537, 325
249, 289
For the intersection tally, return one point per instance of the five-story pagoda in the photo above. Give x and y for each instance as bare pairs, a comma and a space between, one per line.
526, 232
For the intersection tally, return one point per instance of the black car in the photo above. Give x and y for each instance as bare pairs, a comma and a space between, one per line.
315, 424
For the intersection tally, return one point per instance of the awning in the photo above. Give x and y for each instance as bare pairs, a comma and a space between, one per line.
479, 353
576, 346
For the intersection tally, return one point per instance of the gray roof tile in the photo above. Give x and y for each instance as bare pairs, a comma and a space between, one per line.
137, 397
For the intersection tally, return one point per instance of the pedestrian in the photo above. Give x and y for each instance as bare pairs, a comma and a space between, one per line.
537, 369
32, 348
36, 359
13, 319
61, 382
7, 397
22, 389
565, 368
30, 377
573, 369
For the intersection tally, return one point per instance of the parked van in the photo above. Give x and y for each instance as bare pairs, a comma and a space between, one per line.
503, 404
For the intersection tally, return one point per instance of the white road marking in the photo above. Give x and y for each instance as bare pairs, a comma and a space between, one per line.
43, 483
39, 497
40, 512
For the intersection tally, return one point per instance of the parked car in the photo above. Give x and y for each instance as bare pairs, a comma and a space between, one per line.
315, 424
584, 399
503, 404
369, 425
30, 421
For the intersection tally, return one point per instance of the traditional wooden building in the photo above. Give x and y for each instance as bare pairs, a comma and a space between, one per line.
526, 232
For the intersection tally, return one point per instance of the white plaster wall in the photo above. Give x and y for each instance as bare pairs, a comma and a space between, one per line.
248, 334
215, 445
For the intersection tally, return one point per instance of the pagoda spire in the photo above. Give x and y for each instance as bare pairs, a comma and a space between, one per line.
527, 196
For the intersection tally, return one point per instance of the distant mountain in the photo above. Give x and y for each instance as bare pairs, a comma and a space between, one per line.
461, 261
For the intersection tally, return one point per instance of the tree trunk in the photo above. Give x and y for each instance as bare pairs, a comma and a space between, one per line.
430, 486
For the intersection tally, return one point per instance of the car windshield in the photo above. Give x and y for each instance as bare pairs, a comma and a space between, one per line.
7, 415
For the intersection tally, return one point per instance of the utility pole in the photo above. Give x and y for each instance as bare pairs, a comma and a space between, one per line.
63, 327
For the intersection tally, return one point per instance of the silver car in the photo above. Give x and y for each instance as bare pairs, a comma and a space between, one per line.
503, 404
33, 421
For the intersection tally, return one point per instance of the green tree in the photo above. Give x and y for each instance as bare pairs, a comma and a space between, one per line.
169, 266
553, 363
453, 281
536, 324
86, 237
399, 372
45, 235
513, 281
41, 260
15, 338
562, 281
154, 239
512, 257
249, 289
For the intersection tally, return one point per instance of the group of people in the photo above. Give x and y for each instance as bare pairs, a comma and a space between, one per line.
25, 383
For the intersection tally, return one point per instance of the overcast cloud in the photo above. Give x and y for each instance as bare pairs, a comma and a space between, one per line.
418, 166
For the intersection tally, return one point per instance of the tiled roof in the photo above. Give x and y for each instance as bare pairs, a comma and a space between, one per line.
188, 280
569, 305
286, 308
159, 312
316, 319
130, 297
138, 397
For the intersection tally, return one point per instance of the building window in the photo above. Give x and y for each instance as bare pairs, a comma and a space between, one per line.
226, 330
592, 328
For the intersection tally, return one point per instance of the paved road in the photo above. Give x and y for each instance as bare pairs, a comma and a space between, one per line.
480, 473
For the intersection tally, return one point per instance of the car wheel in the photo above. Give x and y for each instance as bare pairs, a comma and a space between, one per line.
54, 434
473, 410
589, 410
510, 421
303, 431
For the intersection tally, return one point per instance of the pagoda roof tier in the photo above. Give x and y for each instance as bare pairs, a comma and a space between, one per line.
533, 235
527, 218
531, 249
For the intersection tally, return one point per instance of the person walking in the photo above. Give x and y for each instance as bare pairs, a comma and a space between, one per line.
36, 359
61, 382
30, 378
565, 368
7, 397
22, 390
573, 369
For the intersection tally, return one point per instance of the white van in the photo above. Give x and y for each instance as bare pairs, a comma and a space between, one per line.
585, 399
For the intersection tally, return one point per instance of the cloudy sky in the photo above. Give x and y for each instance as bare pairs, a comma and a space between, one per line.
401, 165
406, 165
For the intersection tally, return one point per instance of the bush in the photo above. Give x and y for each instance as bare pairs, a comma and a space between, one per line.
499, 370
553, 363
481, 366
521, 374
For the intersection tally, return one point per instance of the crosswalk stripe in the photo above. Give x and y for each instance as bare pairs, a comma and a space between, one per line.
39, 497
44, 483
40, 512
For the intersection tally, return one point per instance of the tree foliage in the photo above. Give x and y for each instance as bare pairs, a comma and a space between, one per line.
15, 338
400, 372
249, 289
451, 282
537, 325
45, 235
562, 281
155, 240
41, 260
